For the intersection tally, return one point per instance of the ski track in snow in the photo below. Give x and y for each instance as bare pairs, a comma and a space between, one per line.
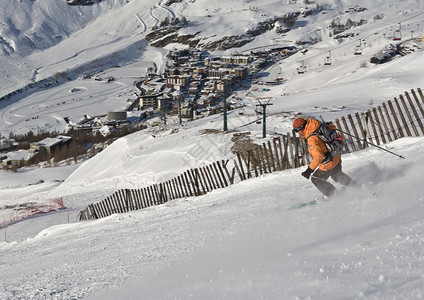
142, 23
170, 12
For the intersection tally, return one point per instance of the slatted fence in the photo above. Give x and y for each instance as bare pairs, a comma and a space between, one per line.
385, 123
193, 182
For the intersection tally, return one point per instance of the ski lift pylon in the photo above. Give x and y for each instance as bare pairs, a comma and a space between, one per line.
327, 61
358, 50
301, 69
397, 36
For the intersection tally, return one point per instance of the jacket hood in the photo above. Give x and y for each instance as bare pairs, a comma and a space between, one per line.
311, 126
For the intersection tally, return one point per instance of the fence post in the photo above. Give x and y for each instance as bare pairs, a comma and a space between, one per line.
145, 195
107, 206
182, 186
392, 109
389, 120
364, 117
408, 114
250, 162
355, 132
370, 118
193, 183
305, 152
215, 171
136, 198
405, 124
211, 176
110, 206
414, 111
128, 199
224, 166
224, 180
374, 110
254, 162
202, 180
149, 196
387, 131
104, 208
277, 157
351, 141
198, 182
417, 101
240, 168
286, 163
290, 148
175, 188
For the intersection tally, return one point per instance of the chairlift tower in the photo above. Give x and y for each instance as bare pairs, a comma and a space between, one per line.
301, 69
358, 49
398, 34
179, 111
327, 61
225, 105
164, 115
264, 103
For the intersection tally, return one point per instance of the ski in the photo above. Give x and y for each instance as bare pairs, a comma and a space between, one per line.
308, 203
303, 204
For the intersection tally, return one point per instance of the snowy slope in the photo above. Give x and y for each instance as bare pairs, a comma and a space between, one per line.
101, 37
242, 243
237, 243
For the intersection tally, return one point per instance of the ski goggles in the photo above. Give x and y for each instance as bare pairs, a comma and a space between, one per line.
297, 129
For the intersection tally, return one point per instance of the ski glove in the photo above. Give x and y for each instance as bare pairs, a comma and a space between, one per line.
307, 173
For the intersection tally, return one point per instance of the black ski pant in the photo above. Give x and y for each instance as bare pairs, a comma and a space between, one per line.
319, 179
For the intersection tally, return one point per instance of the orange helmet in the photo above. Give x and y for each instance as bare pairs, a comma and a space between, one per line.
299, 124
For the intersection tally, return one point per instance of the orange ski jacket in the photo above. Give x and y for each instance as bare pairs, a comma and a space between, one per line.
317, 148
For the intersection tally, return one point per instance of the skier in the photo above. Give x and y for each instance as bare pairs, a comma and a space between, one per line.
317, 149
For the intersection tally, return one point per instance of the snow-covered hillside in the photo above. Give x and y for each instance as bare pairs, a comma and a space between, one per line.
111, 34
237, 243
242, 242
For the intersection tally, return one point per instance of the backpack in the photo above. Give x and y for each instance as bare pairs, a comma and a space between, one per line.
332, 139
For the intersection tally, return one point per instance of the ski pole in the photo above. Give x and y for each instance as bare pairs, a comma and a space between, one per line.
369, 143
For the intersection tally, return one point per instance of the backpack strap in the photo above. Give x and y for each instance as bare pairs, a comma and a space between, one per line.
313, 133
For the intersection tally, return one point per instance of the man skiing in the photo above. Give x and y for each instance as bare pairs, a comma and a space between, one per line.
322, 165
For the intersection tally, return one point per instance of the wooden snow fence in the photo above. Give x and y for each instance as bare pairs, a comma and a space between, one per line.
272, 156
193, 182
387, 122
402, 117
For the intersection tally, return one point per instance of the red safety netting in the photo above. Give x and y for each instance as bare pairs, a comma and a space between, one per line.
30, 209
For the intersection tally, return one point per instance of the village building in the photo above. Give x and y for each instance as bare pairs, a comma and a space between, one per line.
218, 73
149, 101
163, 102
179, 56
49, 145
117, 117
3, 144
16, 159
237, 59
182, 80
45, 147
258, 64
194, 87
241, 72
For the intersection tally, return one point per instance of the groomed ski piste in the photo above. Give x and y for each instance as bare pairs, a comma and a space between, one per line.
238, 242
242, 242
